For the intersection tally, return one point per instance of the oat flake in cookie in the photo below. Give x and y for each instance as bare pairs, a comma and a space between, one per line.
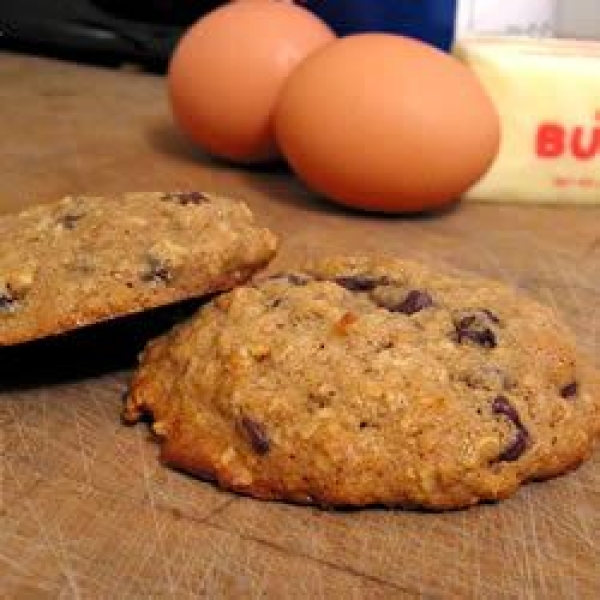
87, 259
370, 381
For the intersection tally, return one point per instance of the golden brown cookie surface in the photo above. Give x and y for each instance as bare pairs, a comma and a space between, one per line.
87, 259
367, 381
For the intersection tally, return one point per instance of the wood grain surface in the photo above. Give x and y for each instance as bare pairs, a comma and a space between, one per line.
86, 511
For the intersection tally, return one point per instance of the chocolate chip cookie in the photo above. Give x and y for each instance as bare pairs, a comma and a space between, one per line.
359, 381
87, 259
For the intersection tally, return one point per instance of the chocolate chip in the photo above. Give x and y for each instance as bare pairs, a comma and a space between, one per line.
501, 406
384, 345
297, 279
257, 435
162, 274
12, 295
7, 301
184, 198
516, 448
570, 390
69, 221
415, 302
466, 322
157, 272
360, 283
485, 337
491, 316
475, 328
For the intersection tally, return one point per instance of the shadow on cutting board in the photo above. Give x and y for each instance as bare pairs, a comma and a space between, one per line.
88, 352
273, 180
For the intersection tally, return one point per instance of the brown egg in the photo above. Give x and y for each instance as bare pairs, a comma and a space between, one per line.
227, 70
386, 123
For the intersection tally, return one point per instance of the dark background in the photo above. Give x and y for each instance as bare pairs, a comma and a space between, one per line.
100, 31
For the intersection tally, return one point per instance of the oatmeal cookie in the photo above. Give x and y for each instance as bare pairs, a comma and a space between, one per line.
359, 381
87, 259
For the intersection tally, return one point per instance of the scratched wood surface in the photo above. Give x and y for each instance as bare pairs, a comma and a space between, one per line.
86, 511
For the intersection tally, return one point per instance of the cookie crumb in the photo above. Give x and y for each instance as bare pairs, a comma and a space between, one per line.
343, 325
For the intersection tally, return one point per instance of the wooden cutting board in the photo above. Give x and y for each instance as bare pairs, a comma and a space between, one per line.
86, 511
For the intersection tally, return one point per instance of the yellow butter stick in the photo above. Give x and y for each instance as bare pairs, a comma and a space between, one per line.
547, 93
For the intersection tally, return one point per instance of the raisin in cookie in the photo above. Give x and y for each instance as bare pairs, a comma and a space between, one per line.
362, 381
85, 259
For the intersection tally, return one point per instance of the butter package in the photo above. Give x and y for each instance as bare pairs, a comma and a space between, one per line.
547, 93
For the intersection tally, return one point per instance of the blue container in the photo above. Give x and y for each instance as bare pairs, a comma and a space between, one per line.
432, 21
